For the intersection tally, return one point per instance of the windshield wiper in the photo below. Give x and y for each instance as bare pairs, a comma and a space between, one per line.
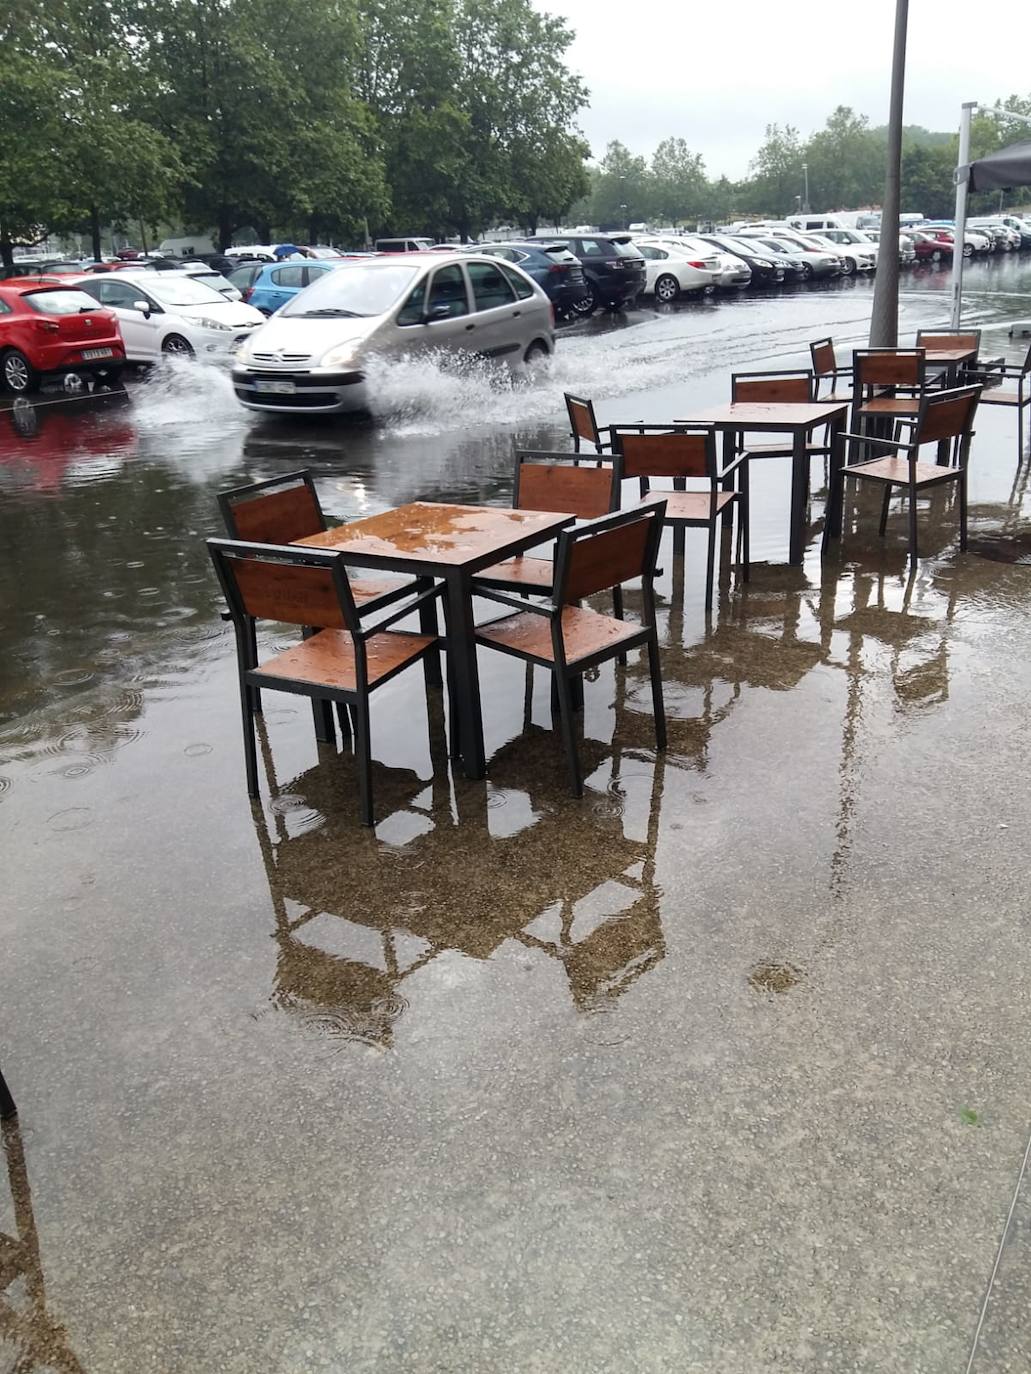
336, 312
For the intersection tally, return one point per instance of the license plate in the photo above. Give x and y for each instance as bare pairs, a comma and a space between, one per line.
88, 354
278, 386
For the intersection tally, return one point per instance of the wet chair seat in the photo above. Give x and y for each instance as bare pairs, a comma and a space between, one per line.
327, 659
584, 634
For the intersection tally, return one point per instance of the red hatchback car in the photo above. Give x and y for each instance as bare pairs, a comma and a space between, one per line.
48, 328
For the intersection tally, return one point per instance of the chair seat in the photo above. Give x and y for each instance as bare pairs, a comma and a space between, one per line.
891, 405
693, 507
327, 659
995, 396
520, 572
584, 632
896, 471
783, 450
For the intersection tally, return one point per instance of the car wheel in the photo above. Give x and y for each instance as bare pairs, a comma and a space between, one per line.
848, 266
807, 270
535, 358
18, 373
586, 305
667, 289
176, 345
936, 257
968, 250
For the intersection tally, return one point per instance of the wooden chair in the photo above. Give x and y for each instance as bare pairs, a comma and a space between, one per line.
775, 388
887, 384
944, 417
567, 638
340, 662
682, 454
825, 367
558, 483
584, 426
7, 1107
1017, 400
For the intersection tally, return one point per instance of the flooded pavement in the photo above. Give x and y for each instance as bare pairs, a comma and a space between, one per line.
722, 1068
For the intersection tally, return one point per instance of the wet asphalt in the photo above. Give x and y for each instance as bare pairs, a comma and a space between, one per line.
723, 1067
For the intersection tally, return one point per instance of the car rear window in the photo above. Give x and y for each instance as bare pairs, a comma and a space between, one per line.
60, 302
625, 248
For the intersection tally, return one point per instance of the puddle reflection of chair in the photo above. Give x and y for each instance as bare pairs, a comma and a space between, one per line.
38, 1341
357, 917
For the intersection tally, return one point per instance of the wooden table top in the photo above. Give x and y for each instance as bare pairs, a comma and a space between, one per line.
949, 355
771, 415
433, 533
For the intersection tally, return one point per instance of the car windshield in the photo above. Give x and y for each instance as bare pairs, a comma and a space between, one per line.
60, 302
172, 289
751, 246
358, 291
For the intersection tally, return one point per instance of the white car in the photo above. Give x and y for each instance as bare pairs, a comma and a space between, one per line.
857, 251
163, 313
202, 272
734, 272
314, 354
670, 269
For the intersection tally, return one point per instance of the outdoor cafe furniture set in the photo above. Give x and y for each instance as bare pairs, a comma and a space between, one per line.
347, 587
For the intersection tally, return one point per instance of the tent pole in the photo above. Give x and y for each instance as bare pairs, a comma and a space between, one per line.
959, 236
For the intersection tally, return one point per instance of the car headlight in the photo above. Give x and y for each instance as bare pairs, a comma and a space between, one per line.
242, 352
214, 324
339, 356
762, 262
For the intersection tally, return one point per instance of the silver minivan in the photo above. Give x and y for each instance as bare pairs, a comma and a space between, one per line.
312, 354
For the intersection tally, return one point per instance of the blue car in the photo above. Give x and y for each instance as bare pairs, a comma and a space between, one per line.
552, 266
279, 282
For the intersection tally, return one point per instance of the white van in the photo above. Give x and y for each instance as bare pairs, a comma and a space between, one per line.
816, 224
188, 246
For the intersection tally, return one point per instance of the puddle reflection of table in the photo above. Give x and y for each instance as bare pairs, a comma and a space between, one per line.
455, 543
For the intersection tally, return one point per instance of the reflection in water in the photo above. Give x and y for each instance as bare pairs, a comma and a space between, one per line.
30, 1338
357, 913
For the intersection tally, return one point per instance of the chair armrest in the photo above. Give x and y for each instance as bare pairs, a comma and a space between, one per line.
431, 594
517, 604
733, 465
869, 439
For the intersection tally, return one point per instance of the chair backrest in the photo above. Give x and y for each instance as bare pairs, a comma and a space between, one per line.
1026, 365
291, 585
946, 414
822, 353
681, 453
568, 487
888, 367
969, 338
608, 551
772, 386
582, 422
276, 511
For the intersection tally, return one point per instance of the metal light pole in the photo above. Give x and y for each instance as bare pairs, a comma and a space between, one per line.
959, 235
805, 201
884, 318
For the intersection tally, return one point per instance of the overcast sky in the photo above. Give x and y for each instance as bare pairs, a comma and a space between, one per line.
716, 74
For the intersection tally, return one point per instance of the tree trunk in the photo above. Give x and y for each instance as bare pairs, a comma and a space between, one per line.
7, 255
94, 228
143, 237
225, 230
313, 231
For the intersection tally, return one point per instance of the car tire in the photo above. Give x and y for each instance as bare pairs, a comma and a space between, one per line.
18, 373
848, 266
176, 346
536, 355
936, 257
587, 304
807, 270
667, 289
968, 250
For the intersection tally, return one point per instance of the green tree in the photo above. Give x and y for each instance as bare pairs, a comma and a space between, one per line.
776, 171
845, 161
622, 192
679, 188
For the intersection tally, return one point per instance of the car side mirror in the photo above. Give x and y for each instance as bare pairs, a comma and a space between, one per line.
143, 307
436, 312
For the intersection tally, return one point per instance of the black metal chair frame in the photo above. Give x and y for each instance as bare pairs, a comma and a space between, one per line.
954, 471
716, 476
251, 676
1009, 372
564, 672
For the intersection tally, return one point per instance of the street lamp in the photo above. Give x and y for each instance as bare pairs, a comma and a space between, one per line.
805, 202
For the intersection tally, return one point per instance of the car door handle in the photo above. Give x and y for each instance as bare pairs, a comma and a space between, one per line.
469, 326
516, 314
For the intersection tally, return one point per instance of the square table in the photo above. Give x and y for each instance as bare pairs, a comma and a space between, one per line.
952, 359
797, 418
455, 543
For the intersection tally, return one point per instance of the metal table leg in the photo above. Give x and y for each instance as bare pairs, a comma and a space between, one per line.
462, 633
799, 494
